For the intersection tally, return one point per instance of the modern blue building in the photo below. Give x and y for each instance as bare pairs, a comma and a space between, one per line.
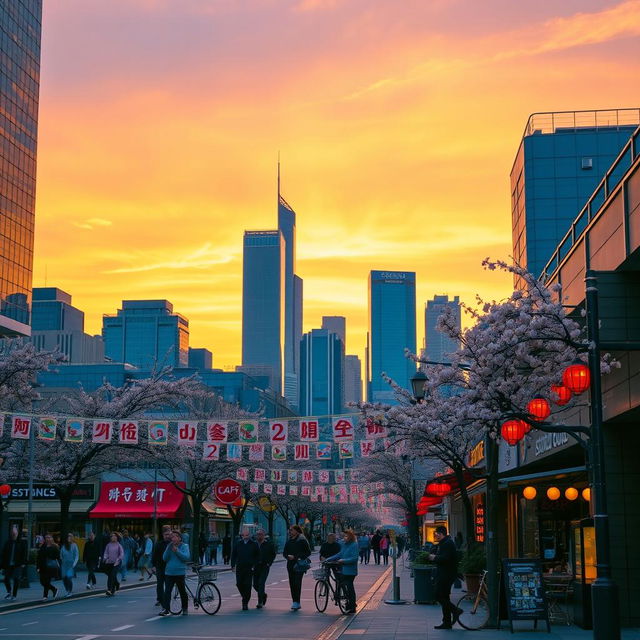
438, 345
561, 158
352, 381
20, 30
52, 311
200, 358
321, 373
263, 302
146, 334
392, 329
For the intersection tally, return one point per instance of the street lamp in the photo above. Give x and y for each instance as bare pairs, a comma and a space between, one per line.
417, 385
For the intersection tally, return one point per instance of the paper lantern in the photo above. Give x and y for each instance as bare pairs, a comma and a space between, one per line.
529, 493
439, 489
553, 493
5, 490
513, 431
577, 377
539, 409
571, 493
586, 494
563, 394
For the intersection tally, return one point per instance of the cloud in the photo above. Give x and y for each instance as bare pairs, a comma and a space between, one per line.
316, 5
92, 223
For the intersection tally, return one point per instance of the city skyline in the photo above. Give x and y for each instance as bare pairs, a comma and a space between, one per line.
383, 136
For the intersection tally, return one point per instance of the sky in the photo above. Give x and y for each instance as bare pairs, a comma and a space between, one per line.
397, 122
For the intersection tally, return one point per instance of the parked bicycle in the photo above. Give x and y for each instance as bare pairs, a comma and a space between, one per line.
328, 583
475, 607
207, 594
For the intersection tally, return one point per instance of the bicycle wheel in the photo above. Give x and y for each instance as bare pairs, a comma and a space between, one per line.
473, 617
175, 603
208, 596
321, 595
343, 601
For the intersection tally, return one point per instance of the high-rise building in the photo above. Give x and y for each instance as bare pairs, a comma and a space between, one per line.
392, 329
20, 29
201, 359
146, 334
437, 344
561, 159
337, 325
263, 302
352, 381
321, 373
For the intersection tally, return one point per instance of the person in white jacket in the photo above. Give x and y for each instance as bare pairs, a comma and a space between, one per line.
69, 556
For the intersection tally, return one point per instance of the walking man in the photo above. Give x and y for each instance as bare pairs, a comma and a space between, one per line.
14, 558
157, 559
244, 558
446, 559
266, 556
375, 546
91, 558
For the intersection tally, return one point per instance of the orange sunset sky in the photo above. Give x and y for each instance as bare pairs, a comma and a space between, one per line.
397, 122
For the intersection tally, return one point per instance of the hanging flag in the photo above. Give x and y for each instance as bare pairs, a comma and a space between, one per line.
301, 451
323, 476
293, 490
282, 490
345, 450
309, 430
277, 475
187, 433
323, 451
128, 432
254, 487
307, 476
242, 474
234, 452
292, 475
366, 448
278, 431
158, 432
340, 476
259, 475
248, 431
256, 452
374, 429
102, 432
279, 452
305, 490
217, 431
20, 427
342, 429
74, 430
211, 451
47, 429
268, 489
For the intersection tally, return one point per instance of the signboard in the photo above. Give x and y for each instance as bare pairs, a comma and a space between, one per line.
479, 522
524, 590
47, 492
227, 491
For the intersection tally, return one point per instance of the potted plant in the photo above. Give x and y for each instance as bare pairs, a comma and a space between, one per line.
471, 566
424, 572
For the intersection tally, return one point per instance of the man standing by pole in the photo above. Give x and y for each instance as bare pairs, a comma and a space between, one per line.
266, 556
446, 559
244, 558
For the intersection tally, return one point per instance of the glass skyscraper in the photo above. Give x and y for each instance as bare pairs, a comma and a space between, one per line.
20, 27
352, 380
263, 302
146, 334
437, 344
392, 329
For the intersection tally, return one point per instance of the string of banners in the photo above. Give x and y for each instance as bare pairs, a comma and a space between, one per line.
216, 444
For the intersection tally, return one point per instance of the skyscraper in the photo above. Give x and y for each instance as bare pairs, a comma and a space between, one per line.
263, 302
146, 334
437, 344
392, 329
352, 380
336, 324
20, 28
561, 159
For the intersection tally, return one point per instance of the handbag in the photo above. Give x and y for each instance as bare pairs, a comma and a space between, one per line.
52, 564
302, 565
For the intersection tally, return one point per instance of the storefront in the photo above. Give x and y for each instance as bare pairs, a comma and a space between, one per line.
218, 520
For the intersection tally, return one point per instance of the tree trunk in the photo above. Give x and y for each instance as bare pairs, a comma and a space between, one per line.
195, 533
491, 545
414, 529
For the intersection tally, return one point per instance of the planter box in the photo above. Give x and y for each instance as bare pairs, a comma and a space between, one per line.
424, 591
472, 580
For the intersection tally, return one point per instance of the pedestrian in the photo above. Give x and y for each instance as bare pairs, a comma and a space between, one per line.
14, 559
112, 558
364, 548
144, 562
214, 543
385, 543
446, 560
329, 548
129, 546
297, 552
48, 563
137, 550
226, 548
347, 557
157, 559
266, 556
176, 556
244, 558
69, 556
375, 546
91, 558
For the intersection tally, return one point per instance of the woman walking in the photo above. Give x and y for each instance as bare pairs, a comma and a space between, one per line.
69, 556
112, 558
297, 552
385, 543
48, 563
176, 556
348, 558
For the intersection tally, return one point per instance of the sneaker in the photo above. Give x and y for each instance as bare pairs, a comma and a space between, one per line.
295, 606
259, 605
88, 586
45, 599
68, 594
12, 598
108, 593
245, 607
185, 612
164, 612
443, 626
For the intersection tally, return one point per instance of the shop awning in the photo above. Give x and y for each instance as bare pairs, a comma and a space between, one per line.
138, 500
215, 508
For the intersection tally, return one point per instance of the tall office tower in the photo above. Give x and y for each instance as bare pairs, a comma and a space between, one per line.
263, 303
336, 324
57, 325
437, 344
20, 28
321, 372
146, 334
200, 359
352, 381
561, 159
392, 329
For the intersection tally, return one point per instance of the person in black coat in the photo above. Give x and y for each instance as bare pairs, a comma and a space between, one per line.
91, 558
296, 548
158, 563
48, 564
244, 558
446, 559
14, 558
266, 556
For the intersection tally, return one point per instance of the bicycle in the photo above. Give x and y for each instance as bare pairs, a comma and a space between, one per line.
328, 582
475, 607
207, 594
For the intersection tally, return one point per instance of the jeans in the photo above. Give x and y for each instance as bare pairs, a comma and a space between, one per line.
160, 584
347, 581
68, 584
112, 578
122, 569
260, 575
385, 556
46, 577
376, 555
91, 575
295, 584
169, 581
244, 577
12, 573
213, 555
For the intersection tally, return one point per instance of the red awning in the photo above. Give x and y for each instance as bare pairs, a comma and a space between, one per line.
138, 500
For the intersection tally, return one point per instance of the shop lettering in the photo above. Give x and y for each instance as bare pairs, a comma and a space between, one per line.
476, 455
47, 492
394, 275
130, 494
550, 441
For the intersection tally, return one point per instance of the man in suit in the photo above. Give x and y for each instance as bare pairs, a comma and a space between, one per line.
266, 556
244, 558
446, 559
14, 558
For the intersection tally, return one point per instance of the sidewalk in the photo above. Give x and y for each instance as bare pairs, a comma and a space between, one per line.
380, 621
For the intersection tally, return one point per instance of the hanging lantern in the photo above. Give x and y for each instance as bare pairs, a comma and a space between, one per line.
539, 409
553, 493
439, 489
586, 494
563, 394
571, 493
513, 431
529, 493
577, 377
5, 490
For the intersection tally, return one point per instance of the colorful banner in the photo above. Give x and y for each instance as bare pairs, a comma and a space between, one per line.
20, 427
309, 430
187, 433
217, 432
248, 432
128, 432
47, 429
211, 451
158, 433
278, 431
74, 430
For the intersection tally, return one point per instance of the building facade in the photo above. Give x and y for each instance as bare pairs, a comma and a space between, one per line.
392, 329
146, 334
352, 381
337, 325
20, 30
200, 358
438, 345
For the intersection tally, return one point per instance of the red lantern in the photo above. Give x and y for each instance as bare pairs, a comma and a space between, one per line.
539, 409
513, 431
577, 377
563, 395
5, 490
439, 489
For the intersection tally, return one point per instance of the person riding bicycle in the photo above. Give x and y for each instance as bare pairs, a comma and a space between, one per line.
446, 560
176, 556
347, 557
